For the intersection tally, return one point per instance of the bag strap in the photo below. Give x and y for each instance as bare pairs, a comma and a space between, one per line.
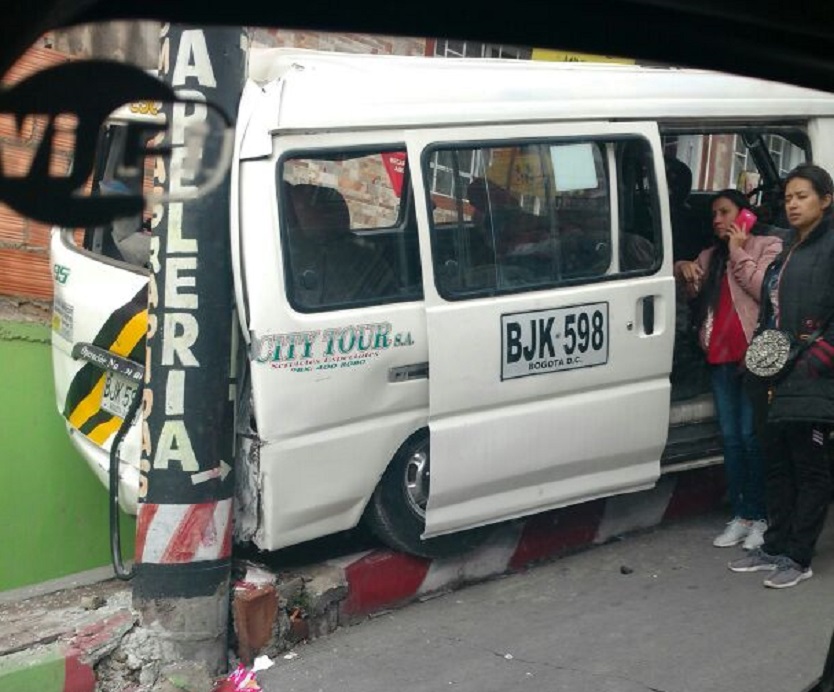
816, 334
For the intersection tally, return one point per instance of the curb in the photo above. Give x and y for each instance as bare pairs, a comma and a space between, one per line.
381, 580
64, 665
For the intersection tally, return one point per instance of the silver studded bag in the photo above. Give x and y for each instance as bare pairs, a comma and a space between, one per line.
770, 353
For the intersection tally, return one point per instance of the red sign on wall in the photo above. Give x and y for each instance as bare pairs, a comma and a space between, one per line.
394, 163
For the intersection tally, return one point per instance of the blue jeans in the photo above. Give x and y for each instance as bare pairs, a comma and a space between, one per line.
743, 459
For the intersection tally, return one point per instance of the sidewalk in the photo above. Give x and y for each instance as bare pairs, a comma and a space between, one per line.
52, 642
60, 642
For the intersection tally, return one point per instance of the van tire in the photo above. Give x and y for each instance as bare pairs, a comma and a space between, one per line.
393, 514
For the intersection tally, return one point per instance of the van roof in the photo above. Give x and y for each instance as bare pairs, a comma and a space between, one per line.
335, 90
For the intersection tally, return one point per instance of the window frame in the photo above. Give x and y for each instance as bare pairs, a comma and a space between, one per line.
90, 240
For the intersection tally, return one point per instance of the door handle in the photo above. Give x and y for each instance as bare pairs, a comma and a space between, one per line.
404, 373
648, 314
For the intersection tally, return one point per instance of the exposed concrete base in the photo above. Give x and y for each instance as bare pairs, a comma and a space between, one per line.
181, 629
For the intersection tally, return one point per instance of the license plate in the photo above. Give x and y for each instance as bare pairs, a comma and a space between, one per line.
118, 395
547, 341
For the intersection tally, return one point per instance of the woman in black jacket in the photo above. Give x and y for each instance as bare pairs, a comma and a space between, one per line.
798, 297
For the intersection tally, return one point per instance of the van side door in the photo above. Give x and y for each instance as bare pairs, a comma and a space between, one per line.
550, 314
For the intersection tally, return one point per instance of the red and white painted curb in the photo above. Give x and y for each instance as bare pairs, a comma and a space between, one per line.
86, 647
380, 579
66, 665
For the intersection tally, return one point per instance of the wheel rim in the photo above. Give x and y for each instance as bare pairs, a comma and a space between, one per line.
416, 482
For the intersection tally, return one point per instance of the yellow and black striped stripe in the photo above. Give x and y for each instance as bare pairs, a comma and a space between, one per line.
124, 333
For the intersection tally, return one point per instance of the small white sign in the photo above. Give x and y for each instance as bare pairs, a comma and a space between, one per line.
574, 167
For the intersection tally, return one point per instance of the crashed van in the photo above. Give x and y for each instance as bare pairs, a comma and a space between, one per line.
454, 287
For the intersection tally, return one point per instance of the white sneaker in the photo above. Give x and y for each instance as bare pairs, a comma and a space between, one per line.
755, 539
736, 531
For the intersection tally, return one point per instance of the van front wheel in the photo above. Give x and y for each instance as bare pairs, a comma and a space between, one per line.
397, 510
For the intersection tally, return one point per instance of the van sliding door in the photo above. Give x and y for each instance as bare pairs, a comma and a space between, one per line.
550, 312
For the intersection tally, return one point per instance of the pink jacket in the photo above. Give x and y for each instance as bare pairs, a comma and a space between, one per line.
745, 270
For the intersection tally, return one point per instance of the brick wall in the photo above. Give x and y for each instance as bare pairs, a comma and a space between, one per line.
24, 244
345, 43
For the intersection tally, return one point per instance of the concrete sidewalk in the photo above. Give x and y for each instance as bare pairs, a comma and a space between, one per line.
67, 641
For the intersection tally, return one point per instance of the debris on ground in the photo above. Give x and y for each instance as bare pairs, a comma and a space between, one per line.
239, 680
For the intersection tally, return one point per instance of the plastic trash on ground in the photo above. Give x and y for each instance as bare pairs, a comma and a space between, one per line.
238, 680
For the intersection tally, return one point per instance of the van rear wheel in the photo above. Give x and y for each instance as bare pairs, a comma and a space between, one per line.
397, 510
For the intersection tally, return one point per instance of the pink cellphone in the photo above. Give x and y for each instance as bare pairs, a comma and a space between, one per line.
745, 220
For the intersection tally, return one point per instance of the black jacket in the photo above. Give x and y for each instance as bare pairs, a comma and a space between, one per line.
805, 300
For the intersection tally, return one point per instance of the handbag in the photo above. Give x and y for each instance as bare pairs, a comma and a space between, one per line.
772, 352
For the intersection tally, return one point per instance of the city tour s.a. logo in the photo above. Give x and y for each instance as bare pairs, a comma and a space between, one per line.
326, 349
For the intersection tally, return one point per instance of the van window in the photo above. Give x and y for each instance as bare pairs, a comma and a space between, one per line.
125, 239
753, 160
348, 230
737, 159
521, 216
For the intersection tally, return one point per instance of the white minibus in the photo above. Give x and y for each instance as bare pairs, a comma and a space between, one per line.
454, 286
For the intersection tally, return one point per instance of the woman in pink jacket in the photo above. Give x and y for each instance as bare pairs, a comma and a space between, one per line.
726, 280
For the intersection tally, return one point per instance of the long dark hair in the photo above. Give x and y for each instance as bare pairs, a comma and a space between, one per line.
711, 290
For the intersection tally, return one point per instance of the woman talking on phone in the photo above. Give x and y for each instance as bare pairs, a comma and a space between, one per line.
799, 300
726, 280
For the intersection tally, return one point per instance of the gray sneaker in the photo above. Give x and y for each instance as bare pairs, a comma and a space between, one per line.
757, 560
788, 573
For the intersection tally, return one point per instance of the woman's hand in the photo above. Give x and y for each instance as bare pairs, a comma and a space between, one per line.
692, 274
735, 236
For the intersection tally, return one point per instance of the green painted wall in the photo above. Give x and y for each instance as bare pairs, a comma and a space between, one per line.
54, 510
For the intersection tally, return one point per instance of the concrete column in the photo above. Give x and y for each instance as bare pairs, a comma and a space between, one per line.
184, 529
